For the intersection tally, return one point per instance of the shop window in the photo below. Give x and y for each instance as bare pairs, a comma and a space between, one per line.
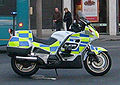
100, 12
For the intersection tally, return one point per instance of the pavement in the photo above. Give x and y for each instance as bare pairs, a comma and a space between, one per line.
47, 32
109, 38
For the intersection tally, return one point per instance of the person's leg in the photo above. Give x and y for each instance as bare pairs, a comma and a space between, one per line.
59, 26
68, 26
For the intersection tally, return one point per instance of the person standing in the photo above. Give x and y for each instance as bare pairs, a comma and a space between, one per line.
67, 18
57, 19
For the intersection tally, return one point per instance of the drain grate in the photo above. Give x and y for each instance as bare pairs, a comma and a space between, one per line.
42, 77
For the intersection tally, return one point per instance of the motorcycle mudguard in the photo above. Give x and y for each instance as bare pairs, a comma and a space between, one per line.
97, 50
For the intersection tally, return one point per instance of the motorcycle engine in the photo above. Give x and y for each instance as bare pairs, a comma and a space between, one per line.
68, 47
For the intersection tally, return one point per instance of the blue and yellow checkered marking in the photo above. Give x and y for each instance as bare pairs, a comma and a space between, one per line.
42, 45
23, 43
92, 47
27, 34
82, 45
50, 48
53, 49
14, 39
76, 49
84, 35
18, 42
24, 35
84, 40
97, 50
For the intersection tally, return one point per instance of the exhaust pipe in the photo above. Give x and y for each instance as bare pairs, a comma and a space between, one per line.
27, 58
32, 59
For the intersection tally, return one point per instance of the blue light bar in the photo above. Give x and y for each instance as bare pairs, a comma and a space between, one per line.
14, 13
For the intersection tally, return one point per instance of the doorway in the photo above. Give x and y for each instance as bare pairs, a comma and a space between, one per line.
47, 12
102, 24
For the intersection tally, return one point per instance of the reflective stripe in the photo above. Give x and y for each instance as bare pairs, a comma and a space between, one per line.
30, 35
74, 52
22, 39
84, 42
71, 40
81, 48
84, 39
97, 50
83, 35
24, 35
102, 49
23, 43
46, 48
76, 49
76, 35
36, 44
24, 31
27, 34
57, 43
23, 46
41, 45
13, 44
81, 45
92, 48
18, 42
86, 28
51, 48
14, 39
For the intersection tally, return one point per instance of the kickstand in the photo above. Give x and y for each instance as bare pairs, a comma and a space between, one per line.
56, 72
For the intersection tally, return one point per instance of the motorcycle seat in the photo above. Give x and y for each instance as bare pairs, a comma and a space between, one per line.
49, 41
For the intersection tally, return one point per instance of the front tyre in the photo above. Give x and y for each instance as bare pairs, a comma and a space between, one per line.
24, 68
101, 68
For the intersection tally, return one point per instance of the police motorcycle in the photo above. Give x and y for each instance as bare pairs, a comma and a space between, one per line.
63, 50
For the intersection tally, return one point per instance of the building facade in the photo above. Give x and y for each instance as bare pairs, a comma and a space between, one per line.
105, 17
108, 14
37, 14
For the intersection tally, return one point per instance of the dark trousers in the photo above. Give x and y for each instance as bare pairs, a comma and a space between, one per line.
68, 25
58, 26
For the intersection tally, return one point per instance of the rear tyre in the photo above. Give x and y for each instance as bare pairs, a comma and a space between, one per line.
24, 68
101, 68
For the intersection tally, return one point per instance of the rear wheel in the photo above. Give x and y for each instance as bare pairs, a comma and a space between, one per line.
98, 68
24, 68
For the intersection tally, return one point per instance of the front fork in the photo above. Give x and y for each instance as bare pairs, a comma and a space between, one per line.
92, 55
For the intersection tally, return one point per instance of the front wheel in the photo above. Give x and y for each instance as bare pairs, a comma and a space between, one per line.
101, 68
24, 68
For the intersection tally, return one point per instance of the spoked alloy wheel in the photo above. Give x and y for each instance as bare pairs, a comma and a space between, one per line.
24, 68
98, 68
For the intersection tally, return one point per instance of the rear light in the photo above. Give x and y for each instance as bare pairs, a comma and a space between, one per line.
10, 31
20, 24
